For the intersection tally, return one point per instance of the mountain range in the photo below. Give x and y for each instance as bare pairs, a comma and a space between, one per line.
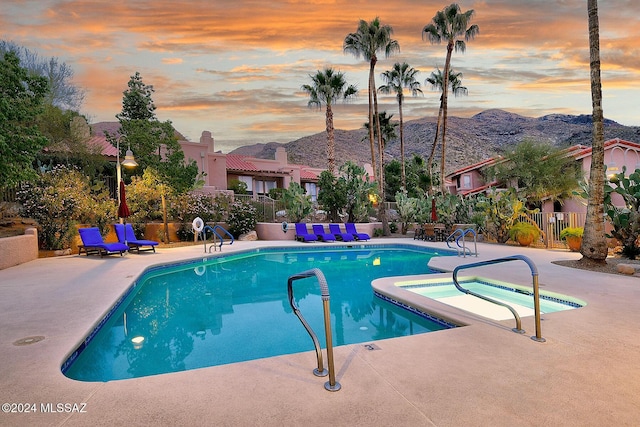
469, 140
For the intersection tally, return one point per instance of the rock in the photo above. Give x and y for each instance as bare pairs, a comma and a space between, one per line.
250, 236
627, 268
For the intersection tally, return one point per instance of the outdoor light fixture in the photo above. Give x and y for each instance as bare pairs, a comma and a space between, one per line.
128, 162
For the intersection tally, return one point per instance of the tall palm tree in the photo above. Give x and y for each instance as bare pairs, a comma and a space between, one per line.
449, 24
327, 87
436, 80
369, 39
594, 244
399, 77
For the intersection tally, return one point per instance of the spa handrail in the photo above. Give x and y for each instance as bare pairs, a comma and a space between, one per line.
330, 385
536, 291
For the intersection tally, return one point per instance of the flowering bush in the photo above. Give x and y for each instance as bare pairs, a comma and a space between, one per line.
242, 218
60, 198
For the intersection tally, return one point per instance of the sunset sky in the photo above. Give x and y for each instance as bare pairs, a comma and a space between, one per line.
235, 68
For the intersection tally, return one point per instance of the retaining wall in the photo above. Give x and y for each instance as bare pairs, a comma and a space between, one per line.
19, 249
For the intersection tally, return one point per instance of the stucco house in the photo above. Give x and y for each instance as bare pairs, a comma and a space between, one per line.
219, 169
260, 175
618, 153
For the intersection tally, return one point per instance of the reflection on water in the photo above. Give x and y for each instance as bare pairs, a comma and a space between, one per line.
235, 308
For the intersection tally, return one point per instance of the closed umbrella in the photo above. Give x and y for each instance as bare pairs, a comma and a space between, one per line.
434, 214
123, 209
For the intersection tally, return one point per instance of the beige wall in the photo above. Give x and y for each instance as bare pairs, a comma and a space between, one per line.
19, 249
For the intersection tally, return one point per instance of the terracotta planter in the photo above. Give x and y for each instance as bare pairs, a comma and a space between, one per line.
525, 240
574, 243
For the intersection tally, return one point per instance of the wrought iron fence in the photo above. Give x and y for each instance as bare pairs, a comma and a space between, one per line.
265, 205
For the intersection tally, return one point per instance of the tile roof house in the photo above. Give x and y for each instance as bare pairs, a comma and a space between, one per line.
618, 153
260, 175
220, 169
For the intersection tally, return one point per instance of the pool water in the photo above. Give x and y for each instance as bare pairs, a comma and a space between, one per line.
519, 298
235, 308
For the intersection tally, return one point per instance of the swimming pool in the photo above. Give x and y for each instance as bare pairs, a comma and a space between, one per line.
232, 308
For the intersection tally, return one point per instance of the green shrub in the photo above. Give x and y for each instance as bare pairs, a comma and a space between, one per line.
571, 232
60, 198
524, 230
242, 218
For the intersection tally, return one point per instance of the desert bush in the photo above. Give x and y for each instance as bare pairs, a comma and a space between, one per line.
242, 218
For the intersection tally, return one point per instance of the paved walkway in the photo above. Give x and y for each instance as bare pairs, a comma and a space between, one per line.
587, 373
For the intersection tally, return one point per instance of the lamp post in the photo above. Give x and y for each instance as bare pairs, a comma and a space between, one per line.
128, 162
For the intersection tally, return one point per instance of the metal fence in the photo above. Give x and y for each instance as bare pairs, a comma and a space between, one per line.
266, 206
552, 224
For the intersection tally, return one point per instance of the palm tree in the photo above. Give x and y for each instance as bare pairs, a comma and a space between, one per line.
387, 131
449, 24
594, 244
327, 87
399, 77
369, 39
436, 79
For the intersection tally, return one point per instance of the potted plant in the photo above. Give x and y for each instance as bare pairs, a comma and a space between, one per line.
573, 237
524, 233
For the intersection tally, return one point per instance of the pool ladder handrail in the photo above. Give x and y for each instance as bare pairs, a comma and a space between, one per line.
332, 384
215, 234
462, 234
536, 291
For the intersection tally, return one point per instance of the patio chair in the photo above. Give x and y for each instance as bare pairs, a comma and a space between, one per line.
127, 236
351, 228
345, 237
92, 243
303, 235
318, 230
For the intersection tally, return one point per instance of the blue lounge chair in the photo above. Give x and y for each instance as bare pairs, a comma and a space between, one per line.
345, 237
92, 243
318, 230
127, 236
351, 228
303, 235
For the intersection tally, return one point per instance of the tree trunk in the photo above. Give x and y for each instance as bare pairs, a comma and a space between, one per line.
382, 210
372, 88
403, 177
445, 91
433, 148
594, 243
164, 218
331, 144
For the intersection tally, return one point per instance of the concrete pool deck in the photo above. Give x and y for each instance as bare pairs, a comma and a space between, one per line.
587, 373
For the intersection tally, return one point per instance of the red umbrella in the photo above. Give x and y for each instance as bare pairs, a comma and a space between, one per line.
434, 214
123, 209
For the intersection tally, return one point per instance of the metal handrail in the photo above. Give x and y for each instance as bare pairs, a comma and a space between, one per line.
224, 230
462, 234
536, 291
330, 385
215, 233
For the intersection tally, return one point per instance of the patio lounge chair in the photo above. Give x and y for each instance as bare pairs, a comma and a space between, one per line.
351, 228
345, 237
303, 235
318, 230
130, 238
92, 243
